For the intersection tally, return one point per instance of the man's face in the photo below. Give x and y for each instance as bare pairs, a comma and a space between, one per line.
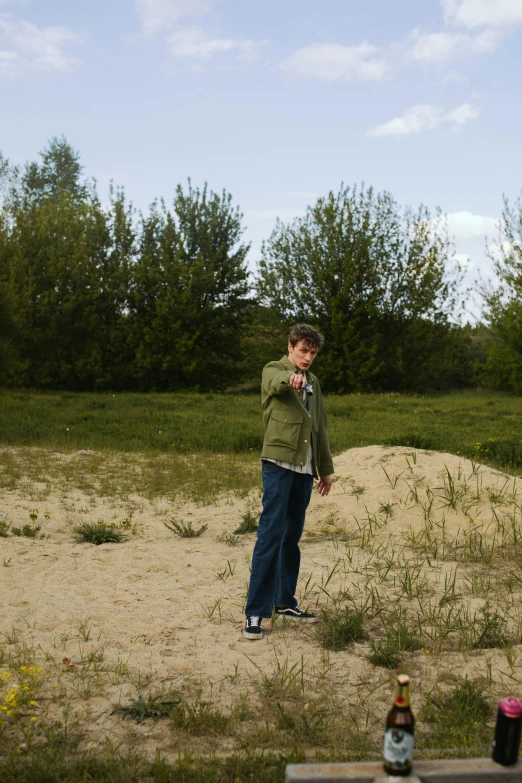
302, 354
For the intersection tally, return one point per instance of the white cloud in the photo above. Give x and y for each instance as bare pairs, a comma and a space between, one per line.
23, 45
483, 13
467, 226
444, 48
9, 63
158, 15
332, 62
473, 236
197, 43
425, 117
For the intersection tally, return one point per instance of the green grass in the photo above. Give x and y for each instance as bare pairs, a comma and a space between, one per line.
154, 707
210, 423
201, 446
185, 530
205, 445
341, 626
99, 532
249, 524
457, 718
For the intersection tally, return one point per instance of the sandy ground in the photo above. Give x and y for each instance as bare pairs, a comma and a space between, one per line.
157, 603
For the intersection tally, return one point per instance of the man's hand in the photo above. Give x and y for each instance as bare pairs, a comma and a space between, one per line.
297, 381
325, 485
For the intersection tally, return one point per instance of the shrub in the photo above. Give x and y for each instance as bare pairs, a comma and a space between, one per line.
4, 527
98, 533
248, 525
184, 530
152, 707
27, 531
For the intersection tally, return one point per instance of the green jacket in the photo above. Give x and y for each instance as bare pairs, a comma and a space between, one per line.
289, 427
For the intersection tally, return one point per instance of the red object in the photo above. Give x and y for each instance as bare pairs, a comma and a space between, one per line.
511, 707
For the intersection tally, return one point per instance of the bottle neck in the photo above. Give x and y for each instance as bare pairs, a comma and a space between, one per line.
402, 695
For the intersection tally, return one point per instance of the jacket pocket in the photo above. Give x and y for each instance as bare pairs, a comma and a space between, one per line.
283, 429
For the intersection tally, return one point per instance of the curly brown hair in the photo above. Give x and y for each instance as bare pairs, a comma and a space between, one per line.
308, 333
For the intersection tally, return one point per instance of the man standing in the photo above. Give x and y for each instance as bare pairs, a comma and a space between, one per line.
295, 449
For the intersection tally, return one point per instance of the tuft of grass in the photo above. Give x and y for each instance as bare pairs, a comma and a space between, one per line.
249, 524
341, 627
4, 526
99, 532
384, 653
491, 629
27, 531
400, 637
229, 538
457, 719
199, 717
306, 722
152, 707
185, 530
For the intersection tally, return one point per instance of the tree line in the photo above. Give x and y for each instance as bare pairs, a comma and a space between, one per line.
94, 296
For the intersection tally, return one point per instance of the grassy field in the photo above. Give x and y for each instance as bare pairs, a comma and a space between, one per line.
146, 442
433, 602
189, 423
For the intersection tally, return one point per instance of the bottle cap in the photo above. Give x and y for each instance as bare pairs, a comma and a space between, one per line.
511, 707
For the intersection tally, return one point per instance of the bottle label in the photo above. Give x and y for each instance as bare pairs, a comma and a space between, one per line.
398, 748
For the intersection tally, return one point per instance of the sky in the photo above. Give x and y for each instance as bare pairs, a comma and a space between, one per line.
277, 102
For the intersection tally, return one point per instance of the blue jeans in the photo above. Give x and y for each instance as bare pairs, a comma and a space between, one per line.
276, 558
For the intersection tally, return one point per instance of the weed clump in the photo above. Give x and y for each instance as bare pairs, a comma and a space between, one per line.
340, 627
306, 723
491, 629
27, 531
4, 527
30, 530
457, 719
399, 638
152, 707
185, 530
249, 524
199, 718
99, 532
384, 653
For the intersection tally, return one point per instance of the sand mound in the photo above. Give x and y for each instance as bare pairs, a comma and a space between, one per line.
174, 606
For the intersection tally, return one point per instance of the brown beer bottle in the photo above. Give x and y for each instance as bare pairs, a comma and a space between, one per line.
398, 737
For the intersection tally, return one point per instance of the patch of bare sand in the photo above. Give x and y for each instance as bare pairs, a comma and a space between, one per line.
158, 602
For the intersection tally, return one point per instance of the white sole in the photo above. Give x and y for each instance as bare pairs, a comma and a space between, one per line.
253, 636
299, 619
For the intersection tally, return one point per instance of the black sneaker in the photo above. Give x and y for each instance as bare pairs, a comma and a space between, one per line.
295, 613
253, 628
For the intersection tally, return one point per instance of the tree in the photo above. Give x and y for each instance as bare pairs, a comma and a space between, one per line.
188, 295
68, 263
375, 278
59, 171
503, 305
7, 329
